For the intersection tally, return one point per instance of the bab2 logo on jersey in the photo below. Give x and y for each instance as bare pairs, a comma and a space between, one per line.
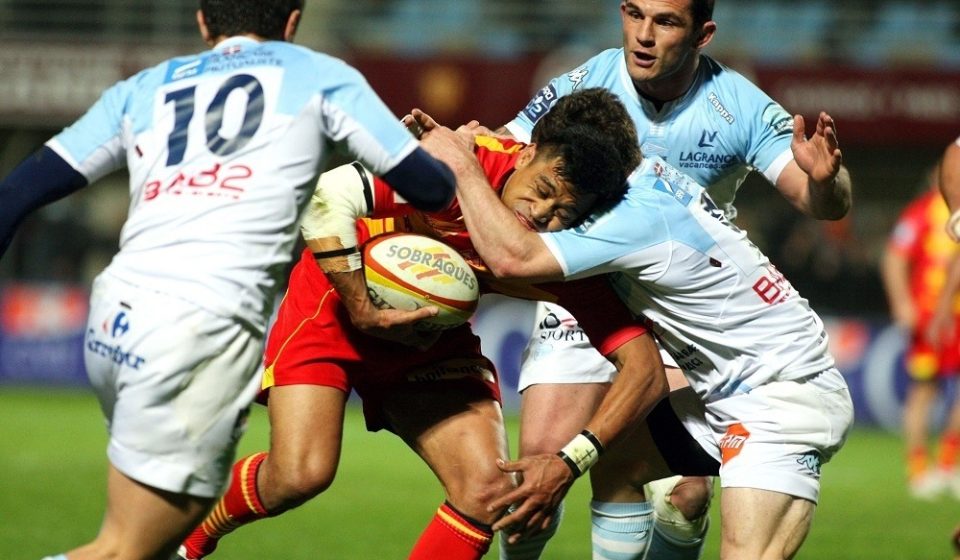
108, 343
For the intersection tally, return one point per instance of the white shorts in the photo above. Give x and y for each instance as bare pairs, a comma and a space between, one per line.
558, 351
175, 383
777, 436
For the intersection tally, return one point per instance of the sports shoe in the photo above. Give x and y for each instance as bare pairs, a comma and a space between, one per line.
928, 485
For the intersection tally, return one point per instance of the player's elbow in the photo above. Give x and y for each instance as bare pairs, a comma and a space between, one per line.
507, 266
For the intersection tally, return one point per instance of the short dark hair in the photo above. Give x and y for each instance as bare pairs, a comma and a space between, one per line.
589, 162
600, 109
702, 11
265, 18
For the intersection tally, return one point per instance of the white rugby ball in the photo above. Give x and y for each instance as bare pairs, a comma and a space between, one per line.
408, 271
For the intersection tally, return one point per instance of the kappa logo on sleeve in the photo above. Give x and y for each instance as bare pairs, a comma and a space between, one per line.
732, 442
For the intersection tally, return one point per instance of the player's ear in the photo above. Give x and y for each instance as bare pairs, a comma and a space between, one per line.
705, 34
526, 156
292, 22
204, 30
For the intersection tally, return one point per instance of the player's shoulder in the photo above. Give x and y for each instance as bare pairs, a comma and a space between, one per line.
722, 77
600, 67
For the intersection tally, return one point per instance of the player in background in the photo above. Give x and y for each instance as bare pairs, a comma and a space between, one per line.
950, 186
747, 343
914, 271
223, 149
714, 125
442, 401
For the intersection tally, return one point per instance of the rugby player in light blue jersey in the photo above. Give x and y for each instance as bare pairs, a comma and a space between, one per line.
716, 126
223, 150
747, 343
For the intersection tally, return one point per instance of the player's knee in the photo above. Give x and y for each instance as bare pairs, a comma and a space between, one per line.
472, 496
692, 495
296, 484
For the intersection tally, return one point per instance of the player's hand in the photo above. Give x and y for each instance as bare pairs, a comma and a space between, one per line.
398, 326
819, 156
420, 124
394, 325
940, 328
546, 480
452, 148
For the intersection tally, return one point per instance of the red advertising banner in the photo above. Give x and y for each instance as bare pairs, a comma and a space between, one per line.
877, 107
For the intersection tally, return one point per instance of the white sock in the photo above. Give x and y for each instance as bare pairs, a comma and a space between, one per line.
621, 531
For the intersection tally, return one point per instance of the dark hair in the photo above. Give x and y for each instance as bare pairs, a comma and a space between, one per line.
266, 18
599, 109
702, 12
589, 162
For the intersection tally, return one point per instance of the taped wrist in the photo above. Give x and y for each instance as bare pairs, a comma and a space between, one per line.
582, 452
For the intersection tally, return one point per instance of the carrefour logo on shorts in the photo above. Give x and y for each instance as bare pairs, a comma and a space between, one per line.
107, 345
541, 103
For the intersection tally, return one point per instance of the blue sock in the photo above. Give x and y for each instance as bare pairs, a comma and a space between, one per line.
620, 531
531, 548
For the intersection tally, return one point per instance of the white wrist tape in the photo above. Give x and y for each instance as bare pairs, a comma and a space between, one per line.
582, 452
953, 226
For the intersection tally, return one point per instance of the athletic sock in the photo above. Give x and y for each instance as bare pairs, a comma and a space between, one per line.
665, 545
916, 462
949, 449
452, 536
239, 505
530, 548
621, 531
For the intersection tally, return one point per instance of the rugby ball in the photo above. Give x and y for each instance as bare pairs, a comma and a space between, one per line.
408, 271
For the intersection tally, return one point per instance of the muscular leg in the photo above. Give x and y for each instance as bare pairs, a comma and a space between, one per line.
550, 415
141, 522
762, 525
451, 429
306, 430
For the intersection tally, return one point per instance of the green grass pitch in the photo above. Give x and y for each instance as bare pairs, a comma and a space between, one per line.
52, 473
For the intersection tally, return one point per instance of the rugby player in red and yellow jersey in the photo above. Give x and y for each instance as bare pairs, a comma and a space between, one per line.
444, 400
915, 265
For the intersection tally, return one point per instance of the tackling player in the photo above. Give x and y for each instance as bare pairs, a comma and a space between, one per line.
747, 343
223, 149
443, 401
714, 125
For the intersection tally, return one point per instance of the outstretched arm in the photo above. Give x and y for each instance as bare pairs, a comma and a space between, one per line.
815, 181
39, 180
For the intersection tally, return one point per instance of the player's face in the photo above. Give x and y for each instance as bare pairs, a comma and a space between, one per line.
540, 198
661, 45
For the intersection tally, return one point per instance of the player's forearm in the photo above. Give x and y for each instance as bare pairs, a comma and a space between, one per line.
895, 273
640, 384
40, 179
830, 200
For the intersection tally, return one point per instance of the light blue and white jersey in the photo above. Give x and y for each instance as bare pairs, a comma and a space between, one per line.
731, 321
723, 127
223, 150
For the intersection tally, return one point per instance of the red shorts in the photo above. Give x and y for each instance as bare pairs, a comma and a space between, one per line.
313, 342
924, 362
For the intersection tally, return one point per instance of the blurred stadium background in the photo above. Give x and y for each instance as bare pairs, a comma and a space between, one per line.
887, 70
